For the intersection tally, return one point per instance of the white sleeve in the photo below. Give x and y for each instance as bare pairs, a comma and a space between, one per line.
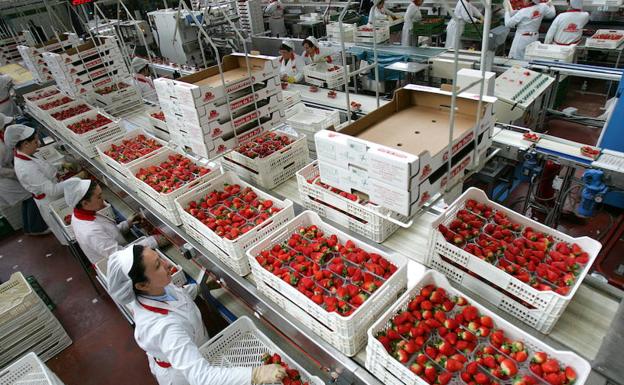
550, 35
192, 289
7, 172
41, 184
298, 70
475, 11
270, 8
512, 21
412, 13
123, 226
549, 10
180, 350
102, 243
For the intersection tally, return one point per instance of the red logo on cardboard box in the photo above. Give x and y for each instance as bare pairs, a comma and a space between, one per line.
424, 198
216, 132
391, 152
214, 114
426, 171
208, 96
240, 103
221, 148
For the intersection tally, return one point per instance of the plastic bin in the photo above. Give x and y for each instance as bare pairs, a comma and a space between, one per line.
28, 370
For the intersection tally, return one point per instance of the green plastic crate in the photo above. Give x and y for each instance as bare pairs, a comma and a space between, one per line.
470, 31
427, 29
5, 227
32, 281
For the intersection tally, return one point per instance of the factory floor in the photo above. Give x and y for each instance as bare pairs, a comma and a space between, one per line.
103, 351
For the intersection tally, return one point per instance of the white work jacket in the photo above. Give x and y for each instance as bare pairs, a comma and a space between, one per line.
465, 15
7, 104
293, 68
171, 333
380, 14
527, 22
275, 11
320, 56
412, 15
11, 191
99, 236
567, 28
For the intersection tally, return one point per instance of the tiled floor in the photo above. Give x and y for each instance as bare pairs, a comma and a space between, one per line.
103, 350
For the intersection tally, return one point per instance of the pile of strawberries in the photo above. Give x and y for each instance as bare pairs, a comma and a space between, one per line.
607, 36
158, 115
56, 103
264, 145
232, 211
71, 112
439, 337
43, 95
338, 277
132, 149
109, 89
171, 174
89, 124
67, 219
292, 375
344, 194
531, 256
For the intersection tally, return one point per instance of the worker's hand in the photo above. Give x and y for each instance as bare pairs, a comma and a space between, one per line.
69, 166
133, 219
480, 21
291, 79
212, 282
83, 175
161, 241
284, 78
267, 374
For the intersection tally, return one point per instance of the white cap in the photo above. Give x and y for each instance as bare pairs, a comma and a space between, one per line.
138, 64
75, 189
4, 120
119, 282
537, 1
376, 2
289, 44
576, 4
312, 40
16, 132
5, 80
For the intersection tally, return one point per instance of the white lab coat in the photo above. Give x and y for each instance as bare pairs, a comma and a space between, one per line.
99, 235
171, 332
38, 177
11, 191
380, 14
275, 12
293, 68
7, 104
412, 15
567, 28
463, 18
527, 22
321, 56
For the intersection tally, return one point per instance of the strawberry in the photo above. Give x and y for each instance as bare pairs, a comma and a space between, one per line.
509, 367
570, 375
550, 366
539, 357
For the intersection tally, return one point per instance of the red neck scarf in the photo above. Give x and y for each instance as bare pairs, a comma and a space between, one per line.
85, 215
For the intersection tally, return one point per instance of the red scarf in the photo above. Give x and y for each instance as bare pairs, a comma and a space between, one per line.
20, 156
85, 215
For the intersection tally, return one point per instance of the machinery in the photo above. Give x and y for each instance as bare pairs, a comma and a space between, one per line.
177, 39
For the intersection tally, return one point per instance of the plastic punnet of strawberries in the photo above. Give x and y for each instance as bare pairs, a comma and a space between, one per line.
344, 194
265, 145
292, 375
338, 277
55, 103
529, 255
43, 95
233, 211
158, 115
89, 124
108, 89
71, 112
172, 174
132, 149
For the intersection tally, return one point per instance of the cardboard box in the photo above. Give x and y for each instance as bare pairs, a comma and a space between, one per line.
407, 138
206, 86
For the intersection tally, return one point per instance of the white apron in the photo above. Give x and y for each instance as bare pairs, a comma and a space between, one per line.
412, 15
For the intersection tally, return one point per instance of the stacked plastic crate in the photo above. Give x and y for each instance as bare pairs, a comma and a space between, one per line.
211, 112
26, 323
8, 49
251, 17
28, 370
33, 60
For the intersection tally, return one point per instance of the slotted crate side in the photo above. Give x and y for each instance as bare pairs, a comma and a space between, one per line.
16, 298
345, 333
45, 342
89, 140
28, 370
60, 209
389, 370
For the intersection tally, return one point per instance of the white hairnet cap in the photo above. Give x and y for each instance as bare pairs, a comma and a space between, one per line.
16, 132
138, 64
4, 120
376, 2
312, 40
119, 282
289, 44
75, 189
5, 80
576, 4
537, 1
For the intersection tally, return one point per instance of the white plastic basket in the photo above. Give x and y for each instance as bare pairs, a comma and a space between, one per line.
60, 209
318, 74
28, 370
543, 308
274, 169
537, 51
89, 140
231, 252
17, 298
390, 371
164, 203
121, 170
355, 216
242, 344
160, 126
333, 32
49, 153
382, 33
605, 43
347, 334
46, 343
310, 120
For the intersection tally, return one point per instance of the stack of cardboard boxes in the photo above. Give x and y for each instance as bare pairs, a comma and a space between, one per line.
33, 59
8, 49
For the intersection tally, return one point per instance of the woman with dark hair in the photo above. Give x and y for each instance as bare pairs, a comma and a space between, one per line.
291, 64
313, 53
93, 221
168, 324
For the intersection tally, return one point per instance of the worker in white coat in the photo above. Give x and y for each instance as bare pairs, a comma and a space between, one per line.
37, 176
169, 326
291, 64
143, 79
379, 12
7, 104
527, 22
314, 53
567, 28
464, 13
93, 221
275, 12
412, 15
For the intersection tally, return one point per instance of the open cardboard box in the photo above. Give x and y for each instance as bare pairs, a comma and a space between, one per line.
404, 141
207, 85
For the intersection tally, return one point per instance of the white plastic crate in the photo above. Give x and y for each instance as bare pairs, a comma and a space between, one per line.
16, 298
46, 343
333, 32
242, 344
121, 170
231, 252
310, 120
160, 129
28, 370
58, 122
318, 74
13, 215
362, 218
347, 334
59, 210
542, 308
89, 140
274, 169
49, 153
363, 35
390, 371
291, 98
164, 203
595, 42
539, 51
